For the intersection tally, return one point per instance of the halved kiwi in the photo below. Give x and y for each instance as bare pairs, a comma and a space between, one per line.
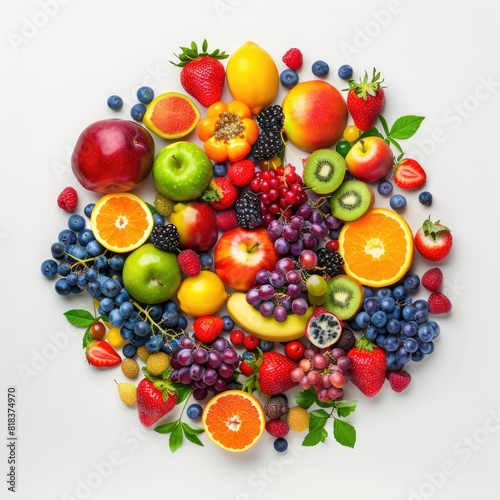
351, 200
324, 171
344, 296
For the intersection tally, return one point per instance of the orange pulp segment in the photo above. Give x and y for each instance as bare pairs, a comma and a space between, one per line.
377, 248
234, 420
121, 222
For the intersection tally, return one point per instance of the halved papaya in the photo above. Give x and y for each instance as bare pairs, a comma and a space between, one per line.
171, 115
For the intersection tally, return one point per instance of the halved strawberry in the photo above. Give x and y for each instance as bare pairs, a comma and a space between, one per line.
99, 353
409, 174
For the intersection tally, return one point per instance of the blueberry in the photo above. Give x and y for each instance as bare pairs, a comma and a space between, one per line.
280, 445
115, 102
64, 268
170, 319
116, 262
129, 350
387, 304
220, 169
248, 356
425, 198
391, 343
111, 288
170, 305
411, 283
194, 411
101, 261
372, 305
126, 309
145, 94
228, 323
62, 287
397, 202
289, 78
393, 326
90, 274
371, 333
410, 328
85, 236
137, 111
94, 289
154, 342
410, 345
76, 222
385, 188
320, 68
417, 356
182, 322
67, 237
116, 318
206, 260
158, 219
345, 72
49, 268
88, 209
57, 249
95, 249
379, 319
265, 345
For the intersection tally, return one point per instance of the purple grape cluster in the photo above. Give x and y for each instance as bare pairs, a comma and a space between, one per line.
204, 367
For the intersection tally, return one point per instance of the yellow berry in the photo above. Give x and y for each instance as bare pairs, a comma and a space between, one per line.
157, 363
114, 337
351, 133
298, 419
143, 352
127, 392
130, 367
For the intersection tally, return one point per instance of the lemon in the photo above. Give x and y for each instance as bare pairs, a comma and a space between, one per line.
202, 295
252, 76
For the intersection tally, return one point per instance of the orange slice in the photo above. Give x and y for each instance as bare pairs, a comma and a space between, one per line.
234, 420
121, 222
377, 248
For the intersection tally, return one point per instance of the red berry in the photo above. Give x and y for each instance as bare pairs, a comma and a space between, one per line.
227, 220
293, 58
439, 303
242, 172
236, 337
399, 380
432, 279
250, 342
332, 245
246, 369
255, 184
189, 262
277, 427
295, 350
68, 199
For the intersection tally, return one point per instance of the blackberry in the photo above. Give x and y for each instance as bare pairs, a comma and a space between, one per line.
271, 118
166, 237
329, 262
347, 340
248, 211
268, 145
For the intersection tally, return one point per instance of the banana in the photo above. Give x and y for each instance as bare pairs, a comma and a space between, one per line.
250, 320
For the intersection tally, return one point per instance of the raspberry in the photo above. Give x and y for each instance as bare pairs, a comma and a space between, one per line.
189, 262
277, 427
439, 303
399, 380
241, 172
227, 220
68, 199
293, 58
298, 419
432, 279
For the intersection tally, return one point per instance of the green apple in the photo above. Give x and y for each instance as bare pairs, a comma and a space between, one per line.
182, 171
151, 275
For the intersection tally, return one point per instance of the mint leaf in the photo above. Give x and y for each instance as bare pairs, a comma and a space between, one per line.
344, 433
166, 428
318, 418
345, 408
305, 399
405, 127
176, 438
79, 317
315, 436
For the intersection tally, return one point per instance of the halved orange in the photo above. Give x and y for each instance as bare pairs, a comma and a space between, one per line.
121, 222
377, 248
234, 420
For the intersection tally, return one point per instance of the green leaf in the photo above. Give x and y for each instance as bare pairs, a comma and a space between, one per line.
373, 132
305, 399
152, 209
344, 433
405, 127
204, 46
192, 430
318, 418
325, 404
176, 438
396, 144
383, 121
314, 437
79, 317
166, 428
87, 338
345, 408
183, 391
191, 434
193, 439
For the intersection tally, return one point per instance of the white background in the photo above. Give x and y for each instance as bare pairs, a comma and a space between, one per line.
61, 60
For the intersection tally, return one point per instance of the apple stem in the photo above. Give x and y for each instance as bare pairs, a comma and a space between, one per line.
362, 145
254, 247
177, 161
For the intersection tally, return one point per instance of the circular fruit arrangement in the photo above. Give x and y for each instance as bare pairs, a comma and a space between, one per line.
248, 293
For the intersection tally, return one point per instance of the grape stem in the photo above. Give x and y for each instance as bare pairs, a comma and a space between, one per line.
153, 322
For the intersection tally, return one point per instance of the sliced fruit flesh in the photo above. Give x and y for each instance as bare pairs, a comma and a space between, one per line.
174, 116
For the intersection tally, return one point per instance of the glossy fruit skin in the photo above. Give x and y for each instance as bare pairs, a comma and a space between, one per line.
250, 343
196, 224
397, 202
240, 252
101, 355
151, 404
409, 174
137, 111
293, 58
370, 159
295, 350
425, 198
221, 194
320, 68
145, 94
289, 78
115, 102
345, 72
433, 241
113, 156
274, 373
315, 115
208, 328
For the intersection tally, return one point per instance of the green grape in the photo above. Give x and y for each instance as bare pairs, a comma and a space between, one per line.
316, 285
316, 300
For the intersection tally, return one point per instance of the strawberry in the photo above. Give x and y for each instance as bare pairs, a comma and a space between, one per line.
409, 174
208, 328
365, 100
271, 373
368, 367
227, 220
439, 303
221, 193
99, 353
399, 379
68, 199
433, 240
155, 398
189, 262
202, 75
293, 58
432, 279
241, 172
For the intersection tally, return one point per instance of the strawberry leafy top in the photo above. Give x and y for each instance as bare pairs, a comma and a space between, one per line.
364, 88
433, 229
190, 53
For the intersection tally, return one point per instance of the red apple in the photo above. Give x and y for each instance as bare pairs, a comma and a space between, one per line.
315, 115
113, 156
240, 253
196, 224
370, 159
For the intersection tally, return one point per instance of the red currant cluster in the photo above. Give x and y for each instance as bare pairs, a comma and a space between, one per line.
278, 190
